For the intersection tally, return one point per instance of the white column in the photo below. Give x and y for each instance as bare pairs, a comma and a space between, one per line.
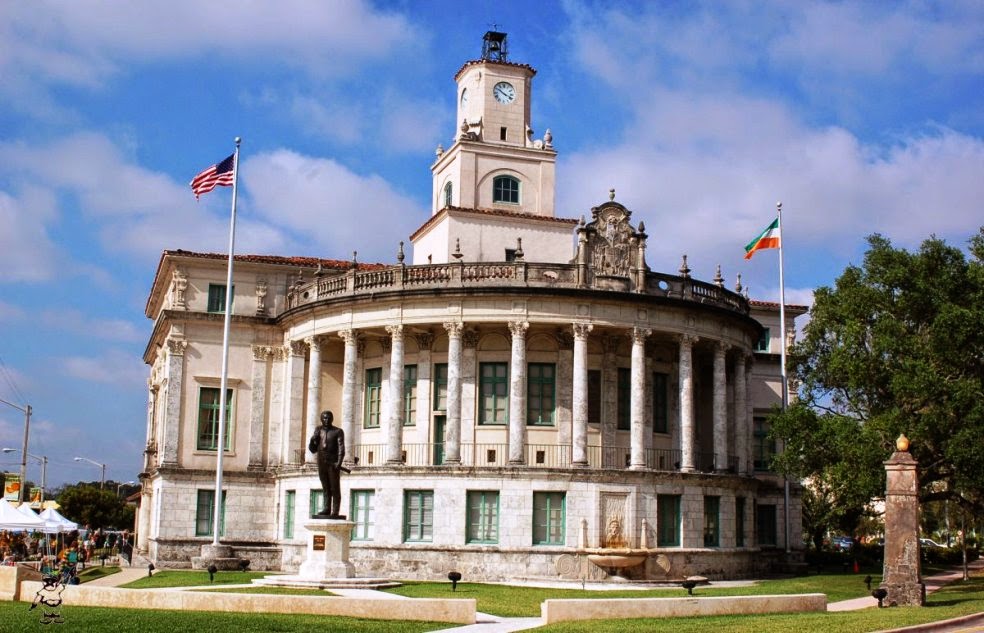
425, 340
637, 399
741, 414
579, 445
258, 405
469, 366
275, 427
294, 403
172, 404
150, 453
348, 389
452, 428
517, 393
720, 438
688, 463
394, 429
313, 417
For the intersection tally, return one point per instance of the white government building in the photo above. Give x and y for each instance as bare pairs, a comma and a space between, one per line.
525, 399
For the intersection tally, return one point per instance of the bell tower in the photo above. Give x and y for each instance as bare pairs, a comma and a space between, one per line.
495, 165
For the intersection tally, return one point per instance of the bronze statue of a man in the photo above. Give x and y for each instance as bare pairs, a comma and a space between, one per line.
329, 443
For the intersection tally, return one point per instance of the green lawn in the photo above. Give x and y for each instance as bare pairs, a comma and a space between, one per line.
517, 601
188, 578
92, 573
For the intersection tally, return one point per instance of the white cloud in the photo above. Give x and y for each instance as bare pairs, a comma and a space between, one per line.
115, 367
71, 320
27, 252
10, 312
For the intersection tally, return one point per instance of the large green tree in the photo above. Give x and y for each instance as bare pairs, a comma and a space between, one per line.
90, 506
896, 346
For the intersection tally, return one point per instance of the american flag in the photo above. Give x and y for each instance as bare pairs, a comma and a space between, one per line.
219, 174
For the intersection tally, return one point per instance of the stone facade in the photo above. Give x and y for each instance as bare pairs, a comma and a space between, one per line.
505, 416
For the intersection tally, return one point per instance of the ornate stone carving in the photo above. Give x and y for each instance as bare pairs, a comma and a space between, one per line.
640, 334
581, 330
425, 340
518, 328
176, 347
179, 283
261, 293
395, 331
262, 352
469, 338
454, 328
611, 241
565, 339
297, 348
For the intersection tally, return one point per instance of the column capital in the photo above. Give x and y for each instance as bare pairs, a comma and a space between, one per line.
470, 338
349, 336
640, 334
176, 346
316, 339
581, 330
454, 328
395, 331
721, 347
425, 340
688, 340
296, 348
518, 328
262, 352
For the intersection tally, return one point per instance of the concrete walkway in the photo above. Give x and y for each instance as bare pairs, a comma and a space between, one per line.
932, 583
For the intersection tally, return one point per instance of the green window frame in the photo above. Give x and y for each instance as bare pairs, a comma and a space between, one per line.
505, 189
205, 512
373, 398
549, 518
668, 520
765, 524
217, 297
440, 386
363, 514
448, 194
661, 402
409, 395
418, 516
763, 448
208, 419
493, 393
482, 523
290, 499
712, 521
316, 501
739, 521
762, 344
594, 396
541, 393
624, 418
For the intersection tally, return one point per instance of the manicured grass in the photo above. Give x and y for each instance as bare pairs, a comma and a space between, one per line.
188, 578
954, 600
92, 573
518, 601
284, 591
16, 617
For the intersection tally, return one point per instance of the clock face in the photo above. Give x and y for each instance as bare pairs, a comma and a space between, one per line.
464, 97
504, 92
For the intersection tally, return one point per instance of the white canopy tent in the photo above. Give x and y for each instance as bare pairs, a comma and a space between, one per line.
15, 521
50, 527
50, 514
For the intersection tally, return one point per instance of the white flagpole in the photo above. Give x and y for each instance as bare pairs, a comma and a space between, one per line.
220, 448
782, 369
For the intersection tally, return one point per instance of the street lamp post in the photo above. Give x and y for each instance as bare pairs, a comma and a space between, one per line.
27, 429
44, 469
102, 482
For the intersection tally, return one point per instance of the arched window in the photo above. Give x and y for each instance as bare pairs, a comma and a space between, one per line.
448, 190
505, 189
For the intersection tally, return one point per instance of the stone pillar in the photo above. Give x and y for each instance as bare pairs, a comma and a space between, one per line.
351, 339
517, 393
172, 403
394, 428
294, 402
313, 418
469, 398
902, 576
258, 406
579, 433
425, 340
741, 414
637, 399
720, 438
688, 463
150, 453
452, 429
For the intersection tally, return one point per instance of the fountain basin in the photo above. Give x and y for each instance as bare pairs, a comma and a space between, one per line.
616, 561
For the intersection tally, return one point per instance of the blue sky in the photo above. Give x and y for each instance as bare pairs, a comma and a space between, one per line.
861, 117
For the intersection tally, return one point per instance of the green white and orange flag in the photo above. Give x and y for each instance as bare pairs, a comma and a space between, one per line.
769, 238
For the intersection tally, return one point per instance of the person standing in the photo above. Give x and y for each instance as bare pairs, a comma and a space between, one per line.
329, 443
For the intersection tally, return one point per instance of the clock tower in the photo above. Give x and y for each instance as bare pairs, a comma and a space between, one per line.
495, 184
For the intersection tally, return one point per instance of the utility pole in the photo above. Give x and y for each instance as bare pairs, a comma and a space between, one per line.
27, 431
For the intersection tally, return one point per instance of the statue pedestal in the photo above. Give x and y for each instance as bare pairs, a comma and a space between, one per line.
328, 550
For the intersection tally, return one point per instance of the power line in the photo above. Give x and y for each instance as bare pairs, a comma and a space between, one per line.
9, 379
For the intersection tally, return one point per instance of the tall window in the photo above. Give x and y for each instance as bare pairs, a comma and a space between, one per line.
661, 403
418, 515
493, 393
373, 397
448, 192
549, 516
505, 189
763, 448
712, 521
363, 515
483, 516
289, 501
409, 395
762, 345
217, 297
594, 396
668, 520
441, 387
208, 419
765, 524
316, 502
624, 398
205, 513
540, 390
739, 521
